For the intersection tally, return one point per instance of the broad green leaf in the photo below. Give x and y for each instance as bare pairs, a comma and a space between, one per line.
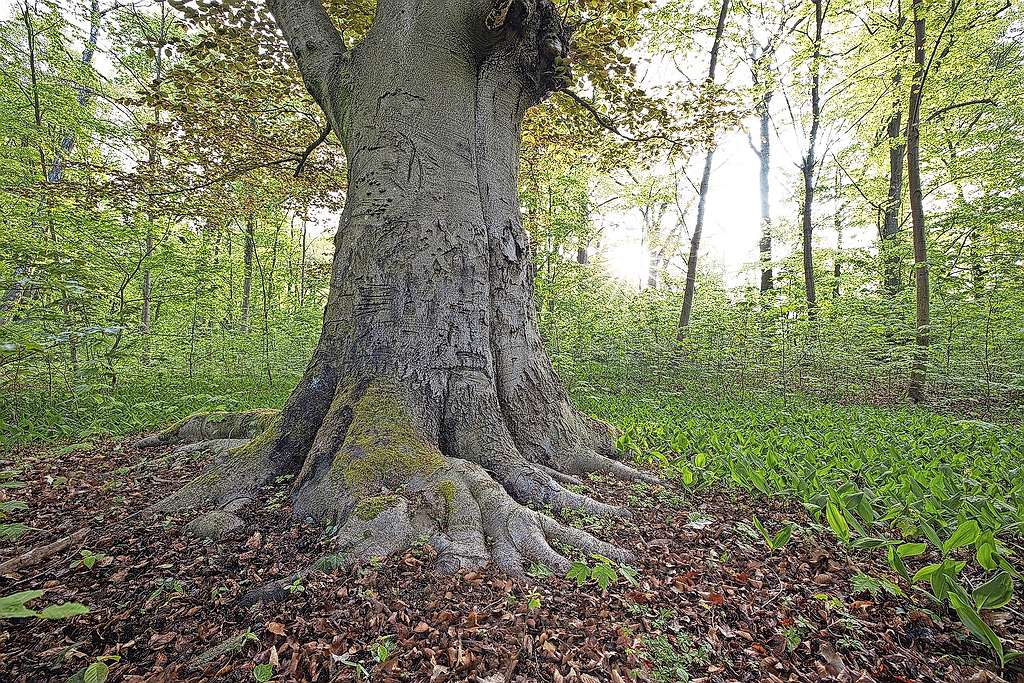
837, 521
973, 621
965, 535
97, 672
911, 549
68, 609
994, 593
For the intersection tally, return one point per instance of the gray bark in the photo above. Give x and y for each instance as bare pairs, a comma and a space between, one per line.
430, 383
247, 254
893, 206
764, 156
919, 367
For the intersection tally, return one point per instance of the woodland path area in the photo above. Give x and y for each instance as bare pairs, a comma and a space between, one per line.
708, 601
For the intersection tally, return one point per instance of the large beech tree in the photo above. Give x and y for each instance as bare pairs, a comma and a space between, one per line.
429, 408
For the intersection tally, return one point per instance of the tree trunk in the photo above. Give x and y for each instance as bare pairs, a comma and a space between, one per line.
250, 245
705, 183
891, 279
919, 368
147, 283
807, 168
429, 408
22, 276
764, 156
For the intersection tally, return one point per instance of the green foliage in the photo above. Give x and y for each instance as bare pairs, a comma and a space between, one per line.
905, 483
13, 607
776, 541
263, 672
603, 572
383, 649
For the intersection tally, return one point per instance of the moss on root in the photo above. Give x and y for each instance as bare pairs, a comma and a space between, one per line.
368, 508
382, 445
219, 424
255, 450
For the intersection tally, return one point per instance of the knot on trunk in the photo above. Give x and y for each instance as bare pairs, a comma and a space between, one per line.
537, 41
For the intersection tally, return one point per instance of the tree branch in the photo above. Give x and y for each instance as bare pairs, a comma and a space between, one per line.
311, 148
969, 103
611, 127
317, 46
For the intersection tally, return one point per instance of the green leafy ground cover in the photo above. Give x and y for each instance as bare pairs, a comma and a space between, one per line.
942, 498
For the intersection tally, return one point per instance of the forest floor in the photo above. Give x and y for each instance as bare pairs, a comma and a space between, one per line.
709, 601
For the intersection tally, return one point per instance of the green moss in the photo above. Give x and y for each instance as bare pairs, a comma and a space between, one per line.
368, 508
255, 449
172, 431
382, 445
446, 489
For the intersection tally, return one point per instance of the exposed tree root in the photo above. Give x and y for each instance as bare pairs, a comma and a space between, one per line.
373, 472
212, 426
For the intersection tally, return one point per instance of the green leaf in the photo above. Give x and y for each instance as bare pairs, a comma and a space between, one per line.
965, 535
837, 521
604, 574
579, 571
911, 549
931, 534
973, 621
925, 572
984, 555
897, 564
97, 672
262, 672
994, 593
13, 606
782, 538
68, 609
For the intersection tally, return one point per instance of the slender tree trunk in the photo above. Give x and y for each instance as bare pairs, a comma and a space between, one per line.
250, 244
154, 167
891, 279
809, 165
705, 183
429, 408
302, 265
23, 272
837, 264
147, 284
582, 255
919, 368
764, 156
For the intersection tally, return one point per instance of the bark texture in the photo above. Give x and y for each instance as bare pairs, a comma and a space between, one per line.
429, 409
919, 368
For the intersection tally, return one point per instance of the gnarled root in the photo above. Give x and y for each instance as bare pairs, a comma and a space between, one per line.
372, 470
212, 426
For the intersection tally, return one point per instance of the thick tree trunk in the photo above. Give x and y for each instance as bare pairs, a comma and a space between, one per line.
919, 368
705, 184
430, 407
